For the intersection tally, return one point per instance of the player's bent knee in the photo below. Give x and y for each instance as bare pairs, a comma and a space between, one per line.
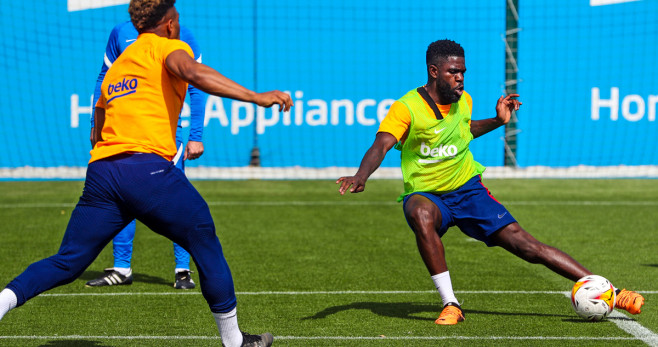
421, 216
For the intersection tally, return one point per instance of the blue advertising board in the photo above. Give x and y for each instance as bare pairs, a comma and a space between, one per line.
588, 83
344, 63
587, 77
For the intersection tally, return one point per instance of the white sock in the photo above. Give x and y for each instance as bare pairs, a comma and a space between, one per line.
124, 271
180, 269
228, 328
8, 301
444, 286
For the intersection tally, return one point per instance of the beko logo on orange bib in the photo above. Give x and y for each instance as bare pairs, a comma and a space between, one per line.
124, 87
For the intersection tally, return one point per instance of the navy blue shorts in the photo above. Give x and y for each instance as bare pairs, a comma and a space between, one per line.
471, 208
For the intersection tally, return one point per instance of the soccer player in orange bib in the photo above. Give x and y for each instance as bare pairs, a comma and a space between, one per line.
122, 36
432, 127
131, 176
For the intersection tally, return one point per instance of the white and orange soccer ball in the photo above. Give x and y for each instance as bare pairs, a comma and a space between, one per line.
593, 297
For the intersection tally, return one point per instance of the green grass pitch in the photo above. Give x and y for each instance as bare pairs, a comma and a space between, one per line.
319, 269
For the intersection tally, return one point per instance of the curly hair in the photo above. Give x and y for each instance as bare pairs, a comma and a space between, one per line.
439, 50
145, 14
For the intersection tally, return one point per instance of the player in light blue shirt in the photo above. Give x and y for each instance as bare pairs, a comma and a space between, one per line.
121, 37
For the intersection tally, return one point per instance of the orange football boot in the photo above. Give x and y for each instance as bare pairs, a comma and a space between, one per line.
630, 301
451, 315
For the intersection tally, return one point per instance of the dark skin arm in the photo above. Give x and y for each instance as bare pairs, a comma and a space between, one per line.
504, 108
370, 162
99, 120
212, 82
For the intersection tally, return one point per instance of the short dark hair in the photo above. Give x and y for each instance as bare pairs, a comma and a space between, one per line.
440, 50
145, 14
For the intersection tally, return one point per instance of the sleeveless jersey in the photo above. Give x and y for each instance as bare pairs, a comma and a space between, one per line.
142, 100
435, 155
122, 36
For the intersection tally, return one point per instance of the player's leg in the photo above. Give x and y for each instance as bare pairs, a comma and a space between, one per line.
178, 212
167, 203
182, 273
479, 215
424, 216
94, 221
122, 249
496, 227
519, 242
196, 232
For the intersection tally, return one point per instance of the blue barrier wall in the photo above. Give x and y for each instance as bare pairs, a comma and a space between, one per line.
589, 83
344, 63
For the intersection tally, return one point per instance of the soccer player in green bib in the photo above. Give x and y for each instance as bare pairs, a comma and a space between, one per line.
432, 127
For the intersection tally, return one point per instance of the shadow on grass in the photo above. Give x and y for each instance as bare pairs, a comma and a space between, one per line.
74, 343
137, 277
650, 265
581, 320
407, 310
520, 314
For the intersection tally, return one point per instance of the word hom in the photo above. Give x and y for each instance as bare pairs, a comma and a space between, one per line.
641, 107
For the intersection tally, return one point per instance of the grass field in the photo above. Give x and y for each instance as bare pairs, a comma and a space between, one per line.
319, 269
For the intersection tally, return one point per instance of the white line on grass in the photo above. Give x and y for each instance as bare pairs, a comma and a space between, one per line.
315, 338
632, 327
362, 203
336, 292
596, 338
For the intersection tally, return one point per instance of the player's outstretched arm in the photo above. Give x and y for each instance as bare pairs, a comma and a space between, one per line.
370, 162
504, 108
212, 82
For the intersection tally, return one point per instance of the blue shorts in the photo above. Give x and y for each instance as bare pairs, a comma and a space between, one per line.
471, 208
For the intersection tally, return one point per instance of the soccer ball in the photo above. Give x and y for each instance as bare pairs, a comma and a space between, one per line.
593, 297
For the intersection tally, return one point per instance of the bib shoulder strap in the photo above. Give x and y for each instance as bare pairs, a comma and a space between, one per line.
431, 102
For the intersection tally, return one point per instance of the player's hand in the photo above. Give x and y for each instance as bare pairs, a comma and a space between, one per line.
354, 184
193, 150
274, 97
505, 106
